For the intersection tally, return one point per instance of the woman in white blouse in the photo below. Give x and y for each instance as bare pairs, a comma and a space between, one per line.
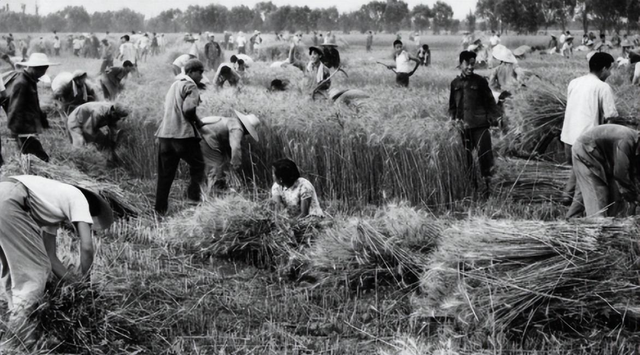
293, 193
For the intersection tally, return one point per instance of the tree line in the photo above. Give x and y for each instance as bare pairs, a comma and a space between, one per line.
521, 16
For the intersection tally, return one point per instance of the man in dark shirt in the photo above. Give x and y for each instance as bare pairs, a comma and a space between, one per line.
75, 93
111, 79
25, 118
471, 104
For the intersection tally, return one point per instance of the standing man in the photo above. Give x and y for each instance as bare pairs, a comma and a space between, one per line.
25, 118
472, 105
142, 47
241, 41
369, 41
606, 162
107, 56
11, 47
212, 53
127, 50
179, 136
402, 67
590, 102
227, 40
56, 46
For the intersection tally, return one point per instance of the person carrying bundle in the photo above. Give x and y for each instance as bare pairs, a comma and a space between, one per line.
402, 67
221, 145
606, 163
32, 209
590, 102
85, 122
74, 92
473, 109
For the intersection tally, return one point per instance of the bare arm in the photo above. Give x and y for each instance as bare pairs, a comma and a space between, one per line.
50, 246
86, 247
304, 207
235, 141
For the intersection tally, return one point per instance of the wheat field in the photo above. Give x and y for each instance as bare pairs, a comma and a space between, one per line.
410, 259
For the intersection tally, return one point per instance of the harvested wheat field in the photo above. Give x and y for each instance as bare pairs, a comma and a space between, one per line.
411, 256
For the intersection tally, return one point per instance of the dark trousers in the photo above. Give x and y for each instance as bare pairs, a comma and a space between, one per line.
170, 151
31, 145
480, 140
402, 79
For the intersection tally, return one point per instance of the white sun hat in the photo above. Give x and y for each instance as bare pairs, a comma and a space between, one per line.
250, 122
37, 60
503, 54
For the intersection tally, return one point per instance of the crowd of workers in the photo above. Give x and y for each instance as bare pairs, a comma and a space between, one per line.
604, 157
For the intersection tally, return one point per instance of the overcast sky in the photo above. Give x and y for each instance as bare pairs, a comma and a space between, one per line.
153, 7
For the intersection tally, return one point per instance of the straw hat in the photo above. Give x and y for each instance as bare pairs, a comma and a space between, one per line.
256, 32
37, 60
316, 49
250, 122
100, 210
503, 54
518, 52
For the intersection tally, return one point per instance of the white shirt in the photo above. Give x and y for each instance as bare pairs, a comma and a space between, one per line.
241, 40
128, 52
53, 202
143, 42
494, 40
403, 63
56, 43
246, 58
589, 102
292, 197
182, 60
562, 38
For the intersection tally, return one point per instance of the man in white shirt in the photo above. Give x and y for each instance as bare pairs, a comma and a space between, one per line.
241, 41
127, 50
32, 208
142, 46
495, 39
590, 102
402, 67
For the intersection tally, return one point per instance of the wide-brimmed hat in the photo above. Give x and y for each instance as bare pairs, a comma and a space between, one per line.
100, 210
568, 37
37, 60
250, 122
503, 54
78, 74
256, 32
316, 49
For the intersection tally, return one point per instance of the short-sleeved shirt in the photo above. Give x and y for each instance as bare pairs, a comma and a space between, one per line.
182, 60
589, 102
241, 40
403, 63
128, 52
293, 196
53, 202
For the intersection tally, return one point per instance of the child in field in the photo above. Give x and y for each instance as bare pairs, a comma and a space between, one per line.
293, 193
424, 54
567, 47
317, 72
402, 67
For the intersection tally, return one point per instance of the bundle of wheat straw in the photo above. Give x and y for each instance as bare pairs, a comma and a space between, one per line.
517, 277
83, 318
535, 119
531, 180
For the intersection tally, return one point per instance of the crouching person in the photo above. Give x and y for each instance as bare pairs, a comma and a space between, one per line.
85, 123
606, 162
293, 193
222, 145
31, 211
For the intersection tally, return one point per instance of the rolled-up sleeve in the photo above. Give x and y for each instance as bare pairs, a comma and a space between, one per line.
608, 104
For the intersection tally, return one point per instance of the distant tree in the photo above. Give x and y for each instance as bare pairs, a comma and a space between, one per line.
166, 21
209, 18
420, 15
54, 22
471, 22
395, 12
264, 8
607, 14
277, 20
240, 18
328, 19
126, 18
373, 12
454, 27
77, 19
442, 16
488, 10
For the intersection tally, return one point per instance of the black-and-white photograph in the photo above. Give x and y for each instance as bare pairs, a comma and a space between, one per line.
390, 177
